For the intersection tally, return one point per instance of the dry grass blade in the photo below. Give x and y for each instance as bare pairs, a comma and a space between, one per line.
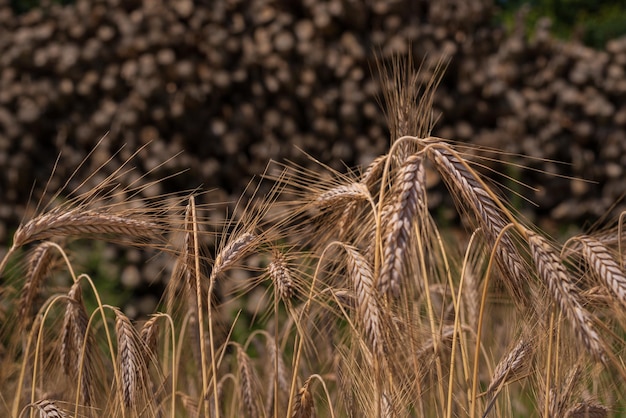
78, 222
280, 274
247, 384
472, 194
129, 358
512, 366
605, 267
303, 405
368, 309
587, 410
48, 409
73, 337
38, 267
233, 251
409, 197
557, 280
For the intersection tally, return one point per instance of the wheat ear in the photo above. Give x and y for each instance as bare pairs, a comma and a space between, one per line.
605, 267
342, 194
556, 278
368, 309
38, 267
369, 179
149, 333
513, 365
78, 222
74, 340
409, 198
129, 359
303, 405
471, 192
587, 409
49, 409
247, 384
280, 274
232, 252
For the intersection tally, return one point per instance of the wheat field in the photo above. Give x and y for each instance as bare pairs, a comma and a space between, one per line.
369, 308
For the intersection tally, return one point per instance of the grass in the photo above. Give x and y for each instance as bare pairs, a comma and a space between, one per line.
353, 301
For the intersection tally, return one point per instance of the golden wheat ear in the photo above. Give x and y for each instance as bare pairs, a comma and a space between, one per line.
130, 359
248, 384
303, 406
513, 366
587, 409
39, 264
409, 200
280, 273
556, 278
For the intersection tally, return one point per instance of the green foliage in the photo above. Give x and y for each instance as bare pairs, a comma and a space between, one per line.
594, 22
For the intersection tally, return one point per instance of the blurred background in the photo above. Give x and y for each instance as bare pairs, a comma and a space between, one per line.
231, 84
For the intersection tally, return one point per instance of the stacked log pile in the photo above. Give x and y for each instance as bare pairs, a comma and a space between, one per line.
233, 84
